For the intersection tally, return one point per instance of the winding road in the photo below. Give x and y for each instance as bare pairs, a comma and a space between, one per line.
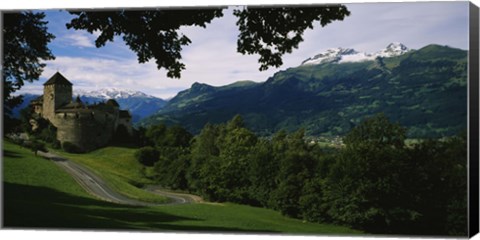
96, 186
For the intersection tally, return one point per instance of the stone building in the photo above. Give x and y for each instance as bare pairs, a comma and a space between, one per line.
86, 126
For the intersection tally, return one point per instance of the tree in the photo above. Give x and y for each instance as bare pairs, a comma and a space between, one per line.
147, 156
176, 136
296, 167
204, 151
365, 186
36, 146
154, 34
272, 32
376, 131
155, 134
263, 169
25, 46
438, 183
236, 144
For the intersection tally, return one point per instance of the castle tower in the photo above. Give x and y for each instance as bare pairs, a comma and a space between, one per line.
57, 91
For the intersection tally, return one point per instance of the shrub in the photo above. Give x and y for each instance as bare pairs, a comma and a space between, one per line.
147, 156
35, 146
71, 148
56, 144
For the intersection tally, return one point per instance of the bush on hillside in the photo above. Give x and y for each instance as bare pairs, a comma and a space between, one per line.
147, 156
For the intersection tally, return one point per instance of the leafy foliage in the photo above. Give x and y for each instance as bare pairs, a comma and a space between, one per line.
154, 34
25, 40
376, 131
35, 145
151, 34
375, 183
364, 186
44, 130
147, 156
272, 32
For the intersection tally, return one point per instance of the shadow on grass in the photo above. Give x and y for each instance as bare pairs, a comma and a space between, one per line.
11, 154
40, 207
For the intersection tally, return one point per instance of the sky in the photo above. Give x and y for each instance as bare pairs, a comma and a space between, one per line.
212, 58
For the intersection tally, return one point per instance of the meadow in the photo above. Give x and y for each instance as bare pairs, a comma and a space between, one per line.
38, 194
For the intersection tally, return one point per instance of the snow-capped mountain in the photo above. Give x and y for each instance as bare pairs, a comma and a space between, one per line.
138, 103
393, 49
341, 55
111, 93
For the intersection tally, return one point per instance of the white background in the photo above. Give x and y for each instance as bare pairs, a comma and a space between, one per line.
90, 235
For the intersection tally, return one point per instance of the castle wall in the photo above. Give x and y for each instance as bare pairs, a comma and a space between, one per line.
126, 123
86, 129
54, 96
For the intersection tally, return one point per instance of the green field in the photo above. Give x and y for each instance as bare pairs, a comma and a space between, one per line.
37, 193
118, 167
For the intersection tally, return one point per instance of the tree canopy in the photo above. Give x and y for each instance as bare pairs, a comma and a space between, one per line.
25, 38
155, 34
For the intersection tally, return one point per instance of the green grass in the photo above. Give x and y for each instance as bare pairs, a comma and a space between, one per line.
21, 167
38, 194
118, 167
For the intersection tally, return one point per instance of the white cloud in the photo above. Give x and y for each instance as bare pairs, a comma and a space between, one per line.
94, 73
78, 39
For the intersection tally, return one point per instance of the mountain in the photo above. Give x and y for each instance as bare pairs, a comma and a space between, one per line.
139, 104
112, 93
343, 55
424, 90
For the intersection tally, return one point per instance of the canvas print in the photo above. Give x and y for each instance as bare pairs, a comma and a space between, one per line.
327, 119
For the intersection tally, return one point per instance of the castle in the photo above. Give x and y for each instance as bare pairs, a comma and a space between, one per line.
86, 126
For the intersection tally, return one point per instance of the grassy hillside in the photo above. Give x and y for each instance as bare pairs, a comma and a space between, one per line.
119, 168
38, 194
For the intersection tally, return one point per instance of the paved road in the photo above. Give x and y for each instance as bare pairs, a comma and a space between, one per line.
93, 184
178, 198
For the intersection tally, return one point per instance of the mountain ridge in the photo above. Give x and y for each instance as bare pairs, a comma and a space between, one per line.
111, 93
343, 55
421, 89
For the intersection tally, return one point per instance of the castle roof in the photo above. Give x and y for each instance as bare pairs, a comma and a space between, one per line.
59, 79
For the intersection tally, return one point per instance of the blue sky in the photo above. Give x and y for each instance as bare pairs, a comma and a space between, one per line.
212, 58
